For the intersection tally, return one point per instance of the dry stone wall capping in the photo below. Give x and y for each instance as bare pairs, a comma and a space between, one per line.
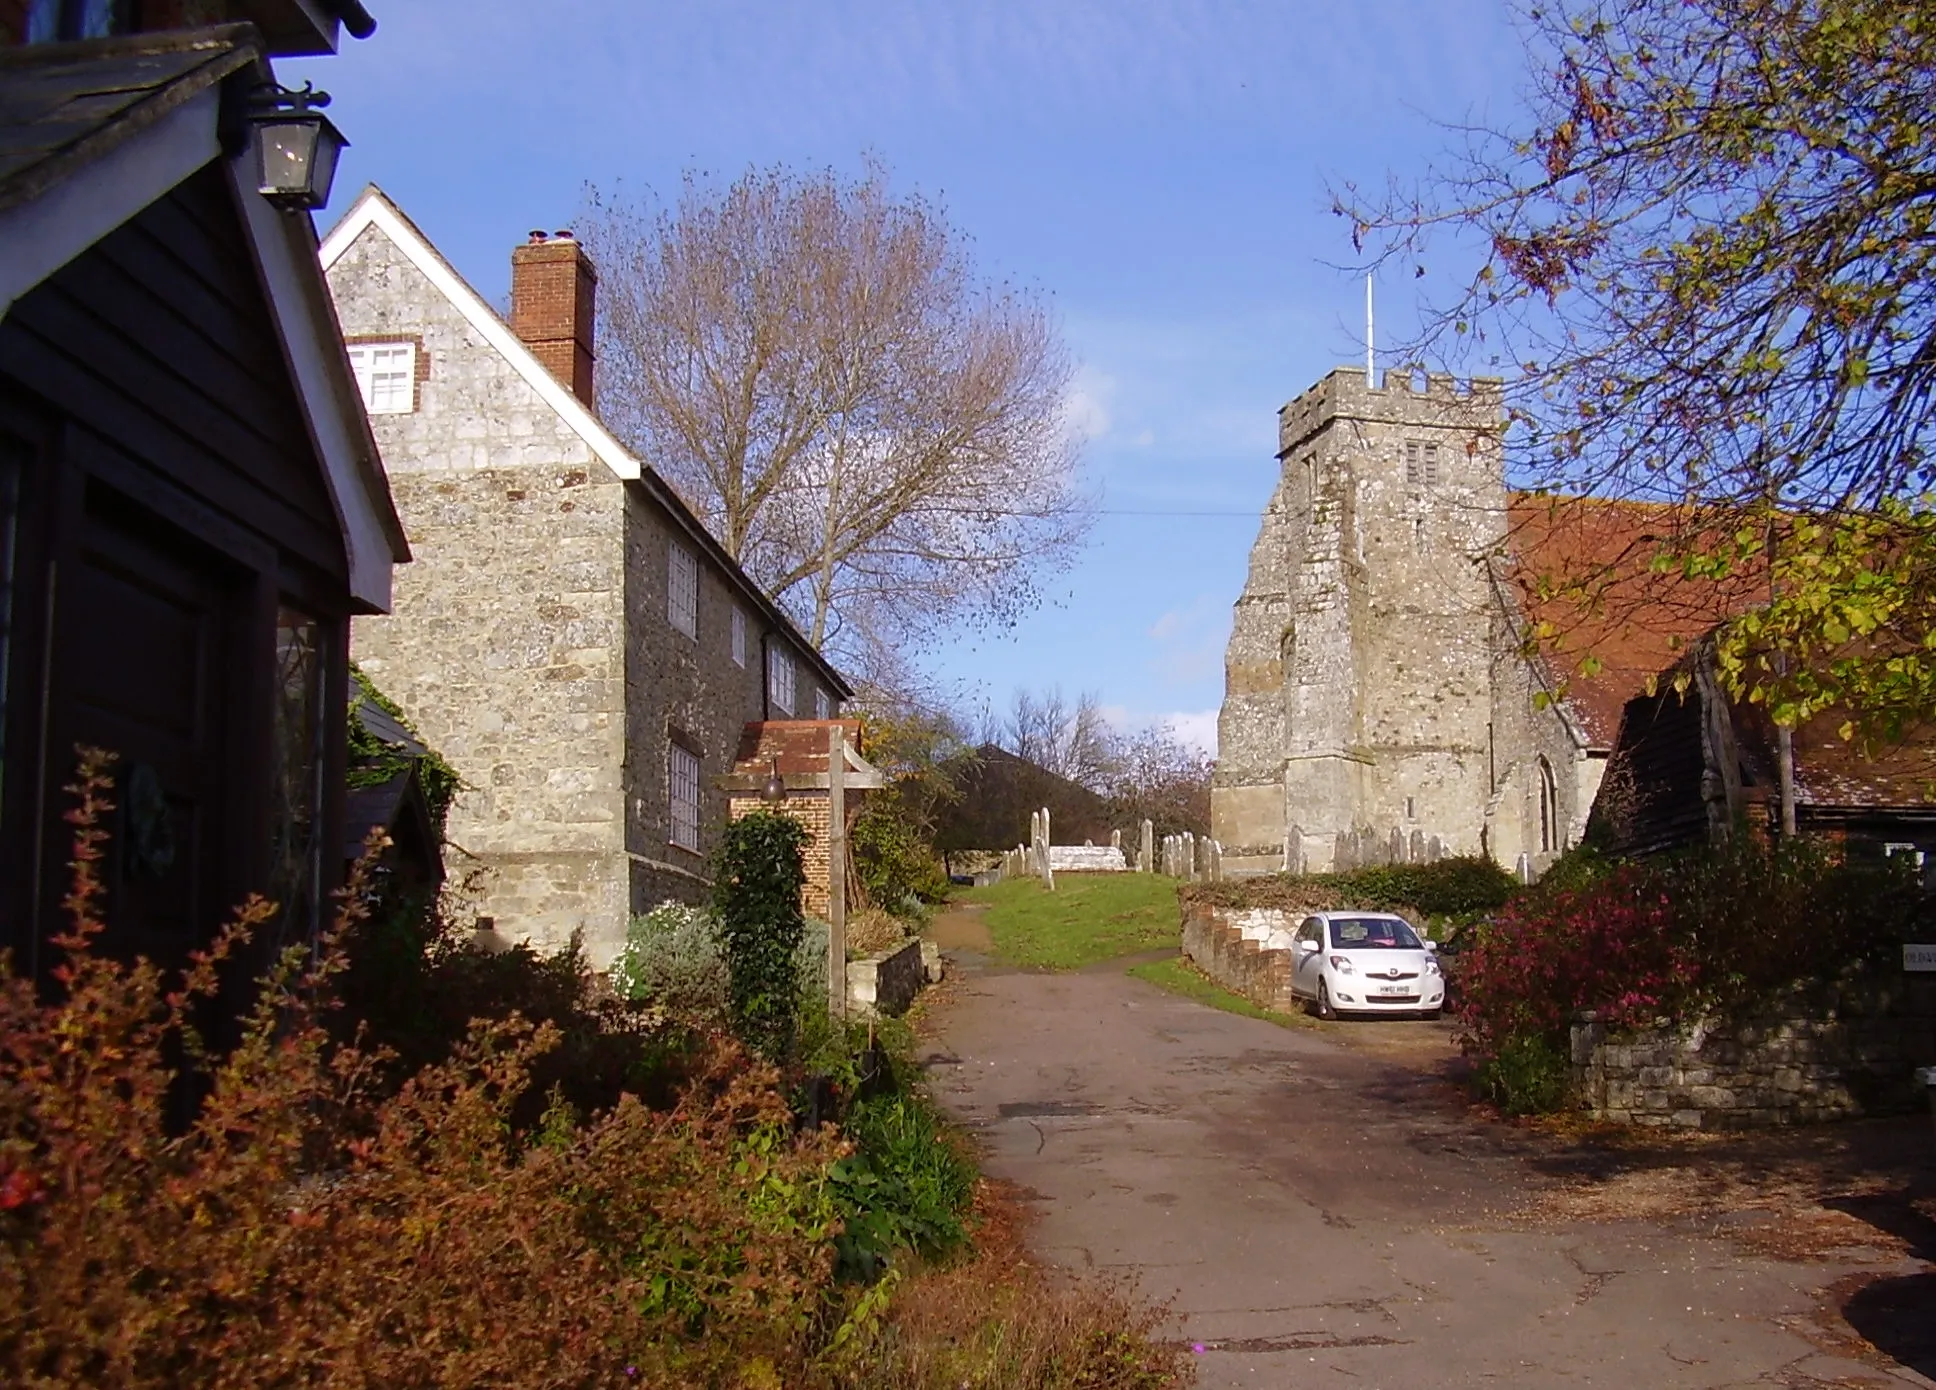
1793, 1065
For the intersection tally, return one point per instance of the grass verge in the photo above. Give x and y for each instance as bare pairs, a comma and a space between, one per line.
1087, 919
1178, 976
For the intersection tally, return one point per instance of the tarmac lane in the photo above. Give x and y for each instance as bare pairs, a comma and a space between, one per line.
1321, 1213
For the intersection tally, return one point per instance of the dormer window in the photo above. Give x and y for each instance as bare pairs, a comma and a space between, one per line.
386, 375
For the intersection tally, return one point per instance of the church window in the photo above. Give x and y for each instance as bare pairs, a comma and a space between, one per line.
1421, 464
1549, 808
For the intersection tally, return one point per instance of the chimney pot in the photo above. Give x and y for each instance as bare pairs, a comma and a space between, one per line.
553, 307
563, 234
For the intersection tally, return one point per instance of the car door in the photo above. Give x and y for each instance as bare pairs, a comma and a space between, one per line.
1309, 951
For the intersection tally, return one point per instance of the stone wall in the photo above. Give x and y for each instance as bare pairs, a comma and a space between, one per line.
886, 984
1796, 1064
1246, 950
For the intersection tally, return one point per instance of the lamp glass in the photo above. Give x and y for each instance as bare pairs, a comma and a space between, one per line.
297, 152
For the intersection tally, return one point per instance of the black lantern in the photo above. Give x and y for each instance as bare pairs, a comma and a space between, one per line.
774, 792
296, 146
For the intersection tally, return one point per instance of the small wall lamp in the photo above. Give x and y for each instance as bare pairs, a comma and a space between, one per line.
774, 792
296, 146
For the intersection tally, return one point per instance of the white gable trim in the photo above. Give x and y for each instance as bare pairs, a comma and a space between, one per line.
374, 210
45, 233
312, 346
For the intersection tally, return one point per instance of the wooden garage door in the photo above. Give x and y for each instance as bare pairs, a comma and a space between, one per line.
145, 659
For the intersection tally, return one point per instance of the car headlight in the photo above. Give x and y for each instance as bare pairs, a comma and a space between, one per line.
1431, 967
1341, 964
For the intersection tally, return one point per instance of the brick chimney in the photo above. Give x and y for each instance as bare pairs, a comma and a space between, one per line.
553, 289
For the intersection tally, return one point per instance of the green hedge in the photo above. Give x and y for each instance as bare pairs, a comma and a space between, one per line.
1455, 890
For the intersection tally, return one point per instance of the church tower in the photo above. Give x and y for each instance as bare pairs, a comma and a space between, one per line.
1358, 703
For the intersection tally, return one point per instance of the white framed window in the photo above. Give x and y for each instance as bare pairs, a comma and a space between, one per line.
682, 785
739, 637
823, 708
682, 589
386, 374
779, 680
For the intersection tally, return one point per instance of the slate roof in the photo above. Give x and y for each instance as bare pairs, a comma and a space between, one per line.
1633, 622
64, 105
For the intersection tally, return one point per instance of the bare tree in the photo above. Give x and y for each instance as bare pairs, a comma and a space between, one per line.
872, 430
1071, 740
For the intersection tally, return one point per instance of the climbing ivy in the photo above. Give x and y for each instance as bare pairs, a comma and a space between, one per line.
758, 873
373, 762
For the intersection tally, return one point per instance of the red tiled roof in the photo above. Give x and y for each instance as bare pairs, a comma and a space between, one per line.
1581, 571
797, 745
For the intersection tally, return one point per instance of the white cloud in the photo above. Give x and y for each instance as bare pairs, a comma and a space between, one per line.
1085, 410
1197, 728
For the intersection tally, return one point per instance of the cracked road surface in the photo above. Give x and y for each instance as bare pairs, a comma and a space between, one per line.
1318, 1215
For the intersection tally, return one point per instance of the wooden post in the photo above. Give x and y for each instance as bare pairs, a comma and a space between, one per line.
837, 870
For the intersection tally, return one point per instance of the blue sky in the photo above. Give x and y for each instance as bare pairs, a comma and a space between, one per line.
1158, 169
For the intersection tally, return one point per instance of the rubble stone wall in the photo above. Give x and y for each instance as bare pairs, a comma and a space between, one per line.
1794, 1065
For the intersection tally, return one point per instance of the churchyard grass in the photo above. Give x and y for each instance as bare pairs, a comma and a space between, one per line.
1180, 977
1088, 918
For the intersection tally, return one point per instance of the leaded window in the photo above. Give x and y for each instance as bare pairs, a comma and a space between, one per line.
682, 589
779, 680
682, 780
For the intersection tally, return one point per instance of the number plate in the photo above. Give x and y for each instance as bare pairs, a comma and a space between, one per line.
1394, 989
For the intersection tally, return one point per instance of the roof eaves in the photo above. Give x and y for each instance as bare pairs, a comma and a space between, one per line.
230, 48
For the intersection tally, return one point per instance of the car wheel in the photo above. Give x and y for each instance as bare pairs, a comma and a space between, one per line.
1325, 1011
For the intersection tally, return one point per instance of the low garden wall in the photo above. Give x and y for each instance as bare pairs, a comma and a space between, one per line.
886, 984
1246, 950
1798, 1062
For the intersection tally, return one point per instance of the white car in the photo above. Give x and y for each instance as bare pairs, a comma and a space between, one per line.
1365, 962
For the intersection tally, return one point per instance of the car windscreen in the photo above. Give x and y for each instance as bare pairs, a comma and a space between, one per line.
1372, 934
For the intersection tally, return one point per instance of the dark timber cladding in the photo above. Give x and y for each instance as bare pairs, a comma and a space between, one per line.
175, 575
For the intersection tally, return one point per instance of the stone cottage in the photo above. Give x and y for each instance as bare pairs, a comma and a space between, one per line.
571, 638
1380, 700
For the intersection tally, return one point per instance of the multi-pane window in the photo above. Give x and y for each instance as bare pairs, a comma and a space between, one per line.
739, 637
823, 707
1421, 464
682, 590
682, 781
386, 374
779, 680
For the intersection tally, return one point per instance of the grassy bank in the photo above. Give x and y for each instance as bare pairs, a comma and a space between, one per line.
1180, 977
1088, 918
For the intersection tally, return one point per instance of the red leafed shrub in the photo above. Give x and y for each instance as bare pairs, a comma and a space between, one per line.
1616, 946
1709, 931
308, 1228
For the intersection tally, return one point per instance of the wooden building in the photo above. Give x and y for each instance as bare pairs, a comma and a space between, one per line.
191, 503
1693, 765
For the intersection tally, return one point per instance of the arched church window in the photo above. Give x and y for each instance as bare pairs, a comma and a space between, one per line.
1549, 808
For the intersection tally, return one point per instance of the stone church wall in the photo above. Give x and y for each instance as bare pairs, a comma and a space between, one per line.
1359, 676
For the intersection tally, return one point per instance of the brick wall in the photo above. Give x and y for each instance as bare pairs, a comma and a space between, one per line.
553, 307
810, 809
1242, 962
